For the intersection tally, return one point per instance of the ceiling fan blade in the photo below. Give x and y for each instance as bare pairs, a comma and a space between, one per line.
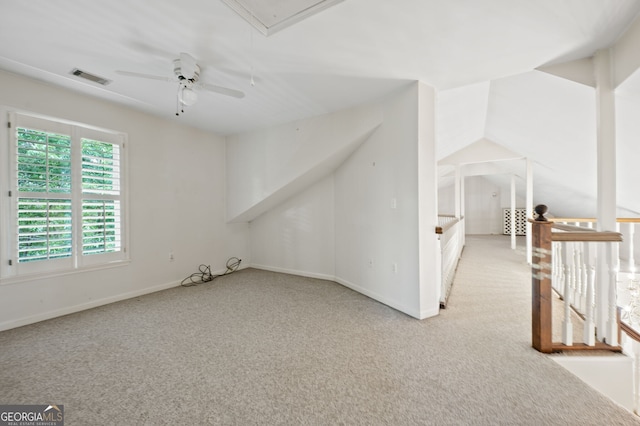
222, 90
147, 76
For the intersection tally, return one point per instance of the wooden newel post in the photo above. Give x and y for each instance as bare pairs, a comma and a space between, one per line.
541, 282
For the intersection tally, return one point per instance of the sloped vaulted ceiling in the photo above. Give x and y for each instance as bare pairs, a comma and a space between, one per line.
479, 54
551, 121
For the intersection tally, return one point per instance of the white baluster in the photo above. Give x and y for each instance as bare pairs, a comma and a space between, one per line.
577, 289
583, 293
589, 325
554, 265
571, 251
561, 272
612, 323
564, 267
557, 269
632, 258
567, 327
440, 272
636, 376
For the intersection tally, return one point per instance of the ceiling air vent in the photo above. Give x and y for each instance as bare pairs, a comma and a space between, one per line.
269, 16
90, 77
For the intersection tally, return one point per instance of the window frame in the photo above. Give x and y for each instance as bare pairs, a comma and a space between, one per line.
12, 270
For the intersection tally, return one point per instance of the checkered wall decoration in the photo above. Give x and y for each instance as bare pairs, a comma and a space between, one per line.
521, 221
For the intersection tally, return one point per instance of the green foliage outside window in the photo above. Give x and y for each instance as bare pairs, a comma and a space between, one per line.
100, 228
44, 170
44, 229
99, 166
44, 162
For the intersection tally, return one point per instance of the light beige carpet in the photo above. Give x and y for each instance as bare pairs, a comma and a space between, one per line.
260, 348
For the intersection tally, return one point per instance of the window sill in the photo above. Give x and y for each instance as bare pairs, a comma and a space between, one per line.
54, 274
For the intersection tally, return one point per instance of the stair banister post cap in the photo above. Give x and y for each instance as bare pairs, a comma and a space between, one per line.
540, 210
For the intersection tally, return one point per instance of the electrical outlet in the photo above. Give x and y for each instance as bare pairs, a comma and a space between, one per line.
170, 256
394, 267
370, 263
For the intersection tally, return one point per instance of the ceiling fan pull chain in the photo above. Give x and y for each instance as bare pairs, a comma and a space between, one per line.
178, 102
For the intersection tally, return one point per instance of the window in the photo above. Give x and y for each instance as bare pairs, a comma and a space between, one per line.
101, 230
66, 196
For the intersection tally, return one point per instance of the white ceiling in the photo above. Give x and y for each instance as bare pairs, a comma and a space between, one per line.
352, 52
479, 54
270, 16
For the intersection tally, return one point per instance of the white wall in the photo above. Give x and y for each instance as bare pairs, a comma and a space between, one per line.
628, 172
297, 236
344, 227
266, 167
483, 206
447, 200
371, 236
176, 203
429, 248
480, 204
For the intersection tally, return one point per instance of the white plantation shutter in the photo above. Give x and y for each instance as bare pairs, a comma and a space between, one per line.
67, 195
101, 218
44, 229
101, 231
43, 187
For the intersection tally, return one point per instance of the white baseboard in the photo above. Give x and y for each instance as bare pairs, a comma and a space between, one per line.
294, 272
419, 314
391, 303
19, 322
427, 313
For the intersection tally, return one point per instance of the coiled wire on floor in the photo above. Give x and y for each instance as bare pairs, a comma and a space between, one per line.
204, 273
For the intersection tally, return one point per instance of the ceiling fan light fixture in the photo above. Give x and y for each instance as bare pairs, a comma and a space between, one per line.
187, 96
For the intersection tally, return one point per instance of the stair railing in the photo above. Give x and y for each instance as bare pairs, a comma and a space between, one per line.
450, 232
564, 259
625, 225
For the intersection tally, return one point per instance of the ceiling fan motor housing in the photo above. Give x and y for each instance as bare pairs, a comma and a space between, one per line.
189, 72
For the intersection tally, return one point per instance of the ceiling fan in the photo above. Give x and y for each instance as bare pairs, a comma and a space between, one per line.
187, 75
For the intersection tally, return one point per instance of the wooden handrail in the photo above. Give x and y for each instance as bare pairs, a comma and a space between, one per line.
580, 233
628, 329
602, 237
571, 228
591, 219
440, 229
